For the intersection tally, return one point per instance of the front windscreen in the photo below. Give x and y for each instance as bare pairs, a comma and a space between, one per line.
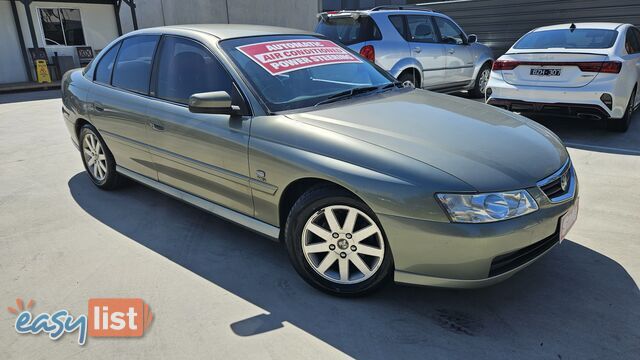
568, 39
297, 71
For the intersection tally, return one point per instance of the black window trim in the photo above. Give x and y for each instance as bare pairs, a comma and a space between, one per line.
153, 79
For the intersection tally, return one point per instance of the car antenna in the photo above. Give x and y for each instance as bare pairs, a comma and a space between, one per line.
572, 27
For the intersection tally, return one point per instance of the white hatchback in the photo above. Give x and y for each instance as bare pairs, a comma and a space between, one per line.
584, 70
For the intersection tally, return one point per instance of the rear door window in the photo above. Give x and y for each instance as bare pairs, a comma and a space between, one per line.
632, 42
348, 30
421, 29
133, 67
105, 66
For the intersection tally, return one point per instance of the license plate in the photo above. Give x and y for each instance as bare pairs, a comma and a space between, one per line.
545, 72
568, 220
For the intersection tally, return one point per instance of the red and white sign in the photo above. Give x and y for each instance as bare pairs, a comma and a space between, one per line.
279, 57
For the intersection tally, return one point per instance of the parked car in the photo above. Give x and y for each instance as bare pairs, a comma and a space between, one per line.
299, 139
419, 47
584, 70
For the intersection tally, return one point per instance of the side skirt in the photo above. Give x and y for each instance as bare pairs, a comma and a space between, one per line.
221, 211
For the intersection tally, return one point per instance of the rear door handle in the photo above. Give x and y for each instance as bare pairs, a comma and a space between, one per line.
98, 108
417, 49
156, 127
452, 50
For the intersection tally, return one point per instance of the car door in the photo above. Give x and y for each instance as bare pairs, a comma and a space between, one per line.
423, 42
202, 154
459, 55
119, 99
632, 46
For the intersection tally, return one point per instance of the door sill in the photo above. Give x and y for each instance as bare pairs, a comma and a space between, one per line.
250, 223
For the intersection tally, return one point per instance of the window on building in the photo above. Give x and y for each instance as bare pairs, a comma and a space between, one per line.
133, 66
62, 27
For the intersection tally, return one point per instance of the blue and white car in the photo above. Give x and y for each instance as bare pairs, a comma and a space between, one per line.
419, 47
584, 70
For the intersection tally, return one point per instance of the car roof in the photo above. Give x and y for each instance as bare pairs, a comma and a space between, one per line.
584, 25
228, 31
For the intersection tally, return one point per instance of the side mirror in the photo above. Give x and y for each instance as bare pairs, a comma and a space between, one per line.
215, 102
472, 38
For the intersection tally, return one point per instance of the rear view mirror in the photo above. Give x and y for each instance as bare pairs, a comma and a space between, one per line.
472, 38
215, 102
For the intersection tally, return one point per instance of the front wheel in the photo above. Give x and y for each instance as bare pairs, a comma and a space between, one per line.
336, 243
482, 80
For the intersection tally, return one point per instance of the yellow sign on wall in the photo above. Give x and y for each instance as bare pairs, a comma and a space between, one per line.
42, 71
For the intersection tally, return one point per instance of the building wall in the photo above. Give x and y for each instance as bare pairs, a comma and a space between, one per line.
299, 14
11, 63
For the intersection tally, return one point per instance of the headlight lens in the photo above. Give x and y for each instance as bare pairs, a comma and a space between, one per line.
489, 207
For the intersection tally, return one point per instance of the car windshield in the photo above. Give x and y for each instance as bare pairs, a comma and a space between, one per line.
291, 72
567, 39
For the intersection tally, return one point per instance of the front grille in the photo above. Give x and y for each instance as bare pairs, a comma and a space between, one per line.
553, 185
507, 262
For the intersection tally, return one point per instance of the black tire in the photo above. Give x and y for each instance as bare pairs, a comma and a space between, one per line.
622, 124
478, 91
111, 179
408, 77
308, 205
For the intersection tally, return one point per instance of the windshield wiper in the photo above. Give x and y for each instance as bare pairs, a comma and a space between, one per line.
348, 94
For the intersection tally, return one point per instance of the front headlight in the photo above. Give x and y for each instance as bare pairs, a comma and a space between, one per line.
489, 207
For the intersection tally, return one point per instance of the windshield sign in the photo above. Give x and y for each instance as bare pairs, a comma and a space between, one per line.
297, 71
279, 57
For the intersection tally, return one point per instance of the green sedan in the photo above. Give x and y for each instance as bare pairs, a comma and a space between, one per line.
300, 139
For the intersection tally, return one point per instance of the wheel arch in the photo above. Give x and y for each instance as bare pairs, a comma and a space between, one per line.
297, 188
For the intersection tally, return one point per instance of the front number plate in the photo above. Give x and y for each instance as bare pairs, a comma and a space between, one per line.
545, 72
568, 220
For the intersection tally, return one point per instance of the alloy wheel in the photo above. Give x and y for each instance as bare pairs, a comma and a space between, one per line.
484, 80
343, 244
94, 157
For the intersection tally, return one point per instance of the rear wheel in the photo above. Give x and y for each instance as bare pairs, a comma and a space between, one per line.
336, 244
622, 124
481, 81
97, 159
409, 79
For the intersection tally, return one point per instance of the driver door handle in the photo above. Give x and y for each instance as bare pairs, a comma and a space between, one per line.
452, 50
156, 127
417, 49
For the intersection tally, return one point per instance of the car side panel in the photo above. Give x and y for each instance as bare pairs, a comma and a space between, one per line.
121, 118
75, 88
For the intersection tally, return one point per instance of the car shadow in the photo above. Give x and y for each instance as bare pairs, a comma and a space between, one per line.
574, 302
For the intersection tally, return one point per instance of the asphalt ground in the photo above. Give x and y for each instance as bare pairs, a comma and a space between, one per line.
219, 291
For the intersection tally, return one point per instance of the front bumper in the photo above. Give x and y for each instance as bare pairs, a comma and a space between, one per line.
472, 255
568, 101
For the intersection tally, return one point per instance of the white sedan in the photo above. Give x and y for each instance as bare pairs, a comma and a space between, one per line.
584, 70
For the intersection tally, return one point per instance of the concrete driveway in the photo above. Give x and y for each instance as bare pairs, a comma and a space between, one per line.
220, 291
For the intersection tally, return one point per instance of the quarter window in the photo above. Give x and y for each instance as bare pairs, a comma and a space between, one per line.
398, 22
449, 32
105, 66
186, 68
133, 67
632, 42
62, 27
421, 29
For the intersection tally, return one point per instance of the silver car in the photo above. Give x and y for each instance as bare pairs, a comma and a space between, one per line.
419, 47
299, 139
